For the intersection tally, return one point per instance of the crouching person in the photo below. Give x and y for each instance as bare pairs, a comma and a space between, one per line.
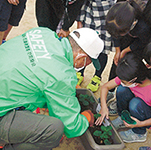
37, 70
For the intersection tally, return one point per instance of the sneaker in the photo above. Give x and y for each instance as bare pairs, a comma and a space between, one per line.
79, 77
129, 136
113, 108
118, 123
145, 148
94, 84
110, 97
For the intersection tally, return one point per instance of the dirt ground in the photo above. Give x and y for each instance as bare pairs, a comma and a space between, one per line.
29, 21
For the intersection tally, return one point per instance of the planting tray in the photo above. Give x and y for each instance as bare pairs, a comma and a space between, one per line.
87, 139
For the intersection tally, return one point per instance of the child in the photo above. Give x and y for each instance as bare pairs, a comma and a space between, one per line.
11, 13
129, 29
58, 12
93, 14
133, 94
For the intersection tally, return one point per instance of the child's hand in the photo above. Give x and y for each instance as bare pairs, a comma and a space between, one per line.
138, 123
104, 114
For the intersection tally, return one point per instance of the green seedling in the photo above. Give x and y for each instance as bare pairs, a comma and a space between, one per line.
107, 130
85, 103
97, 133
104, 135
81, 96
125, 115
91, 99
96, 116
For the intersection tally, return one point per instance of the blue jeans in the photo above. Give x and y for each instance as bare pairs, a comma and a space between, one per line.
126, 100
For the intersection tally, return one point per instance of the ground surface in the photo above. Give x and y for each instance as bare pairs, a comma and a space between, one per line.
29, 21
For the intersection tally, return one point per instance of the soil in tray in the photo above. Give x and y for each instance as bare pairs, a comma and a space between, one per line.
101, 134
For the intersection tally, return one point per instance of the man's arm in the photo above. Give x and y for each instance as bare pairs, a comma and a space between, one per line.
63, 104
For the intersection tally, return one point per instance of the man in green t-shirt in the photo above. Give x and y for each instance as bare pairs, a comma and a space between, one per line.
37, 69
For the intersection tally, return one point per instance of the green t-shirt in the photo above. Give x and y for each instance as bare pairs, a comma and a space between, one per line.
37, 69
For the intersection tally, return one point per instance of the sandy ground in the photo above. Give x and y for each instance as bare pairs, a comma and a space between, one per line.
29, 21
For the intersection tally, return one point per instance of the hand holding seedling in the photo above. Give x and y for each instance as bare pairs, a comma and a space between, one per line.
138, 123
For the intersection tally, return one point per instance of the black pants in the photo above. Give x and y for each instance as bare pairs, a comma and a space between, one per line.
49, 13
125, 41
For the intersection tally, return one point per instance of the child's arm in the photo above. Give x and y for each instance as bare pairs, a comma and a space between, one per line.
126, 50
117, 55
103, 95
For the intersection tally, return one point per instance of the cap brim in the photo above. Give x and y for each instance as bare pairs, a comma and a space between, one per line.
96, 63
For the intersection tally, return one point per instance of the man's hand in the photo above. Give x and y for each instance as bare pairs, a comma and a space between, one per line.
63, 33
14, 2
89, 115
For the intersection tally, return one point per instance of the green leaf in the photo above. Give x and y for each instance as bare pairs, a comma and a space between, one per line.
107, 142
109, 133
97, 116
85, 103
103, 128
97, 133
105, 135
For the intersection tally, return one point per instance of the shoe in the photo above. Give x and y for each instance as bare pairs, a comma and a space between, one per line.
118, 123
129, 136
113, 108
79, 77
94, 84
110, 97
145, 148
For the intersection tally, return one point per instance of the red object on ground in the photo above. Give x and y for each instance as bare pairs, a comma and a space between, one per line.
38, 110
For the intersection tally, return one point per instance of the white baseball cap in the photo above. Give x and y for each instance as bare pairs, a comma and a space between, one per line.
90, 43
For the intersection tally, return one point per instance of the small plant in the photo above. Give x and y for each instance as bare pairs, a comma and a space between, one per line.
96, 116
85, 103
103, 135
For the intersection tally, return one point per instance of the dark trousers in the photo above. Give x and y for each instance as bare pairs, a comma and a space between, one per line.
24, 130
126, 100
124, 43
49, 13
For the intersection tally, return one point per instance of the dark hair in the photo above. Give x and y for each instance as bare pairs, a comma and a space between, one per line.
147, 53
121, 16
130, 67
